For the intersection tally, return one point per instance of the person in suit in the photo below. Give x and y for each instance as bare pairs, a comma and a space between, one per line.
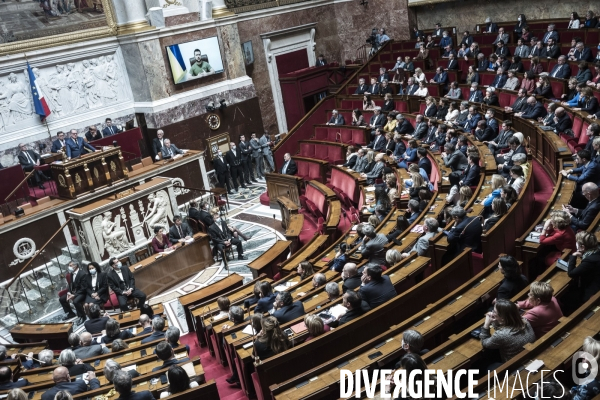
180, 231
377, 169
520, 103
96, 286
552, 50
504, 164
466, 232
169, 150
484, 133
265, 145
246, 165
561, 70
62, 381
221, 170
286, 309
454, 158
29, 159
257, 156
403, 127
551, 34
561, 120
321, 61
411, 86
378, 143
87, 348
59, 143
362, 87
355, 305
336, 119
501, 141
111, 367
93, 134
534, 110
75, 145
222, 236
97, 321
383, 76
233, 158
267, 297
289, 166
499, 79
204, 215
513, 281
430, 107
522, 50
472, 119
490, 27
76, 291
194, 212
157, 143
122, 282
537, 50
376, 288
373, 88
158, 330
452, 63
501, 37
6, 379
377, 119
373, 247
350, 277
110, 129
424, 163
122, 383
146, 323
587, 271
420, 128
470, 176
581, 219
581, 53
475, 95
421, 247
440, 77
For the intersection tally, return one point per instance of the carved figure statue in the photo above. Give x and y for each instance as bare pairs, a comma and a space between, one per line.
76, 95
48, 92
110, 236
18, 98
133, 215
89, 86
159, 211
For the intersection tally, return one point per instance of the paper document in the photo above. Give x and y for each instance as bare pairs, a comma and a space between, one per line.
248, 330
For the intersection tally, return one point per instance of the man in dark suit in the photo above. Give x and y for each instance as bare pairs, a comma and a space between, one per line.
472, 119
373, 88
424, 162
157, 143
356, 307
321, 61
377, 119
538, 50
289, 166
123, 385
411, 86
551, 34
76, 292
205, 216
376, 288
466, 39
336, 119
552, 50
561, 70
440, 77
221, 170
534, 110
501, 49
351, 277
587, 170
490, 26
247, 168
582, 219
286, 309
158, 330
62, 381
506, 163
146, 324
164, 351
75, 145
466, 232
89, 349
420, 128
169, 150
378, 143
520, 103
373, 246
222, 236
561, 121
362, 87
234, 159
501, 141
59, 143
452, 63
484, 133
180, 231
581, 53
93, 134
470, 176
454, 158
122, 282
110, 129
29, 159
475, 95
193, 211
499, 79
403, 127
383, 76
6, 379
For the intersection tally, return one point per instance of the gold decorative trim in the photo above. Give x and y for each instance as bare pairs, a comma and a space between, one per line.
222, 13
78, 180
113, 166
134, 27
65, 38
96, 173
61, 181
254, 7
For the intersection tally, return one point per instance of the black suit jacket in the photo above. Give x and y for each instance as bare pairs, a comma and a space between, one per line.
430, 110
89, 137
113, 130
220, 166
143, 395
56, 146
206, 218
13, 385
378, 120
174, 235
156, 145
77, 286
194, 213
361, 89
24, 161
217, 235
116, 284
168, 363
554, 52
583, 218
234, 158
471, 175
351, 283
466, 234
75, 387
420, 131
426, 165
405, 128
453, 64
534, 112
288, 313
101, 285
291, 168
376, 293
510, 287
245, 149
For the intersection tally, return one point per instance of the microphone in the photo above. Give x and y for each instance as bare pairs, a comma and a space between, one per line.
274, 231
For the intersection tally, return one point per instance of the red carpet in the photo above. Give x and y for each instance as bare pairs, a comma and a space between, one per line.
213, 370
37, 193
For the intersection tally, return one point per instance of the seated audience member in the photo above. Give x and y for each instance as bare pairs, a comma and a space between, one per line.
62, 381
314, 326
497, 182
271, 340
158, 327
59, 144
403, 127
587, 272
543, 88
305, 269
222, 236
179, 381
336, 119
509, 194
511, 331
68, 359
466, 232
164, 351
286, 309
351, 156
111, 367
516, 178
376, 288
558, 235
421, 247
96, 286
513, 281
180, 231
362, 87
582, 218
122, 282
454, 158
413, 210
146, 323
541, 308
110, 128
123, 385
498, 210
160, 241
118, 345
113, 331
470, 176
350, 277
86, 348
506, 162
355, 305
401, 225
590, 387
97, 322
333, 291
267, 297
520, 102
319, 280
376, 171
373, 248
169, 150
561, 70
6, 379
534, 109
93, 134
587, 169
173, 334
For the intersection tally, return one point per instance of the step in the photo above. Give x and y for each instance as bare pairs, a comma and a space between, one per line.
72, 251
63, 260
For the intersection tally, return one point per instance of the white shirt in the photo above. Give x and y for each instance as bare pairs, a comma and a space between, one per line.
423, 92
94, 278
164, 394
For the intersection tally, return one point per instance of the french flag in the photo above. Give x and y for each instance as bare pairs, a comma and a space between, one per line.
39, 102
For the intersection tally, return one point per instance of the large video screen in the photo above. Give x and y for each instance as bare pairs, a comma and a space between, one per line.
194, 60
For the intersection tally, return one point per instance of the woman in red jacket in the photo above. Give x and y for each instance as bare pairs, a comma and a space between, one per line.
557, 232
542, 309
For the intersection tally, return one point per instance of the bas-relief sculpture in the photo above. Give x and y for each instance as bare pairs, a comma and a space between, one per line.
159, 211
110, 236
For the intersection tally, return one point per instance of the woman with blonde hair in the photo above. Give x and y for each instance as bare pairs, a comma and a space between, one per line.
543, 88
271, 339
557, 235
392, 183
392, 257
418, 183
465, 195
419, 75
498, 209
542, 309
587, 272
18, 394
314, 326
388, 104
370, 161
498, 182
473, 75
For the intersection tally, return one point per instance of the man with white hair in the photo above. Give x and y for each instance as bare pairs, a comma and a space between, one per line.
157, 143
29, 159
289, 165
362, 87
376, 171
430, 228
170, 150
336, 119
378, 119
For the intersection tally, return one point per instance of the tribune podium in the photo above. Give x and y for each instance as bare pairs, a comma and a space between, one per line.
283, 185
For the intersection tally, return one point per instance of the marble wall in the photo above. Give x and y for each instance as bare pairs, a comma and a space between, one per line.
465, 15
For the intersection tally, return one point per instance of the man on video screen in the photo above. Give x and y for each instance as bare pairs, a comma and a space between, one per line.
200, 67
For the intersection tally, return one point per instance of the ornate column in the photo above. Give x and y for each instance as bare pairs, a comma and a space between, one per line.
131, 16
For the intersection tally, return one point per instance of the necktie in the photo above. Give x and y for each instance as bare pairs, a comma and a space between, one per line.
373, 88
29, 157
112, 132
472, 96
556, 72
62, 143
180, 231
170, 152
284, 167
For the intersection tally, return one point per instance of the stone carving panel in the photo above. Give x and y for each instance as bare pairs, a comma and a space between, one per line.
110, 236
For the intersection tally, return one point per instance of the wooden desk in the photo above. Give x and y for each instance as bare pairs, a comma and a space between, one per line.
283, 185
305, 253
268, 262
89, 172
288, 208
57, 335
292, 233
154, 275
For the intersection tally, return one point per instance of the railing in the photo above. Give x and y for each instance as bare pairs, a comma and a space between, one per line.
33, 291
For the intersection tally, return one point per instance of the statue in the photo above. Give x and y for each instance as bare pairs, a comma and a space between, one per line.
89, 86
110, 236
159, 211
18, 98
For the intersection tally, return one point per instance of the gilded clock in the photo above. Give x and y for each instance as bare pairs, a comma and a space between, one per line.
213, 121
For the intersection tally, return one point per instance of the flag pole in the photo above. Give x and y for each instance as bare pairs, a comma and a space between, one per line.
48, 128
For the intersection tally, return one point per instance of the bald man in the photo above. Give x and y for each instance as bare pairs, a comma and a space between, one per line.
581, 219
561, 121
289, 165
146, 324
6, 379
62, 381
351, 277
87, 349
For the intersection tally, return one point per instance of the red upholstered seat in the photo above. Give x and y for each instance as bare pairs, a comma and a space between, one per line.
335, 154
354, 217
345, 135
314, 210
487, 79
526, 64
557, 88
504, 99
321, 152
307, 150
303, 201
434, 90
321, 225
422, 108
321, 132
347, 104
577, 127
314, 172
302, 168
466, 91
402, 106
